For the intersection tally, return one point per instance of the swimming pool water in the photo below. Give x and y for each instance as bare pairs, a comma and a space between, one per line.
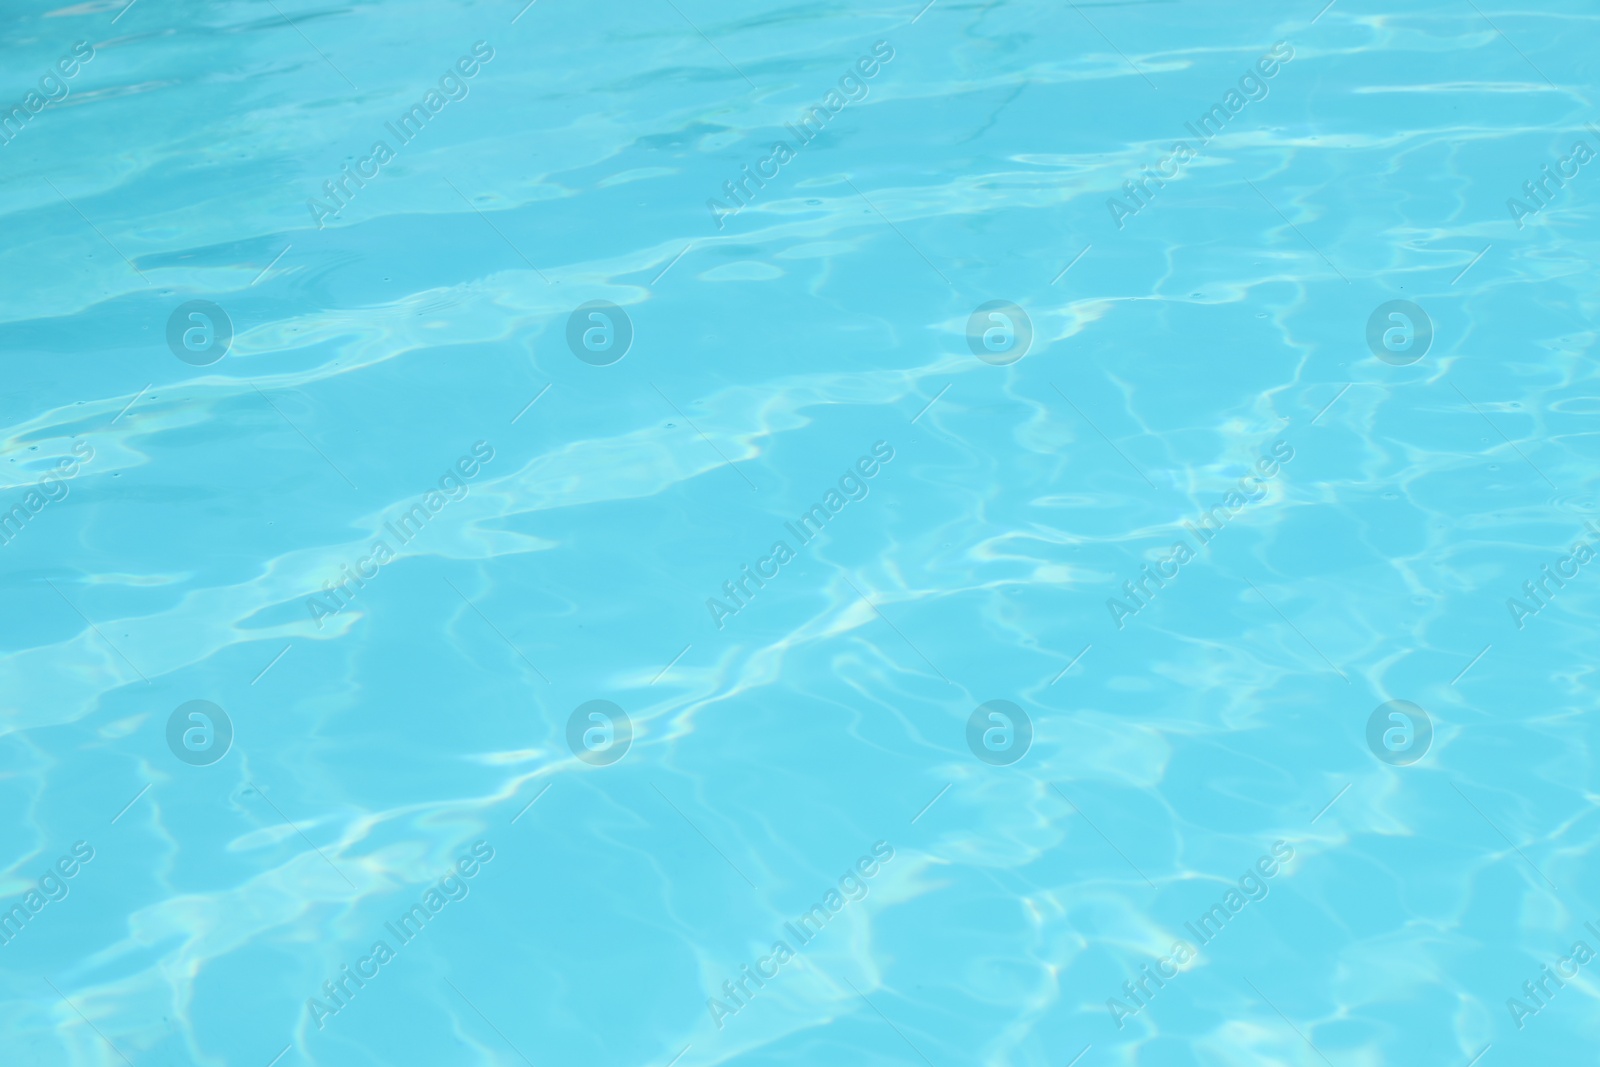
658, 534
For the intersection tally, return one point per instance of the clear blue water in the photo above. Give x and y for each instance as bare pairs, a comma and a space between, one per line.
572, 401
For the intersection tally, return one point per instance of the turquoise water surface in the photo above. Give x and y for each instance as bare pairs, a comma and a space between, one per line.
662, 534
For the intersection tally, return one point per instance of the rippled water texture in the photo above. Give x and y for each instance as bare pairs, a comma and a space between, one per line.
654, 534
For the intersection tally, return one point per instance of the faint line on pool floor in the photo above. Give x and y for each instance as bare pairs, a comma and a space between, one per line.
892, 1026
1292, 1026
1080, 1055
1469, 666
1069, 266
1296, 629
1503, 837
895, 628
1069, 666
91, 1025
96, 229
1296, 229
930, 403
897, 230
496, 629
714, 48
686, 1048
1331, 803
1330, 404
96, 629
524, 11
124, 11
924, 11
703, 437
1114, 48
1504, 438
303, 437
1479, 1056
130, 803
492, 1026
530, 403
675, 259
303, 837
269, 666
1514, 48
1469, 266
497, 230
282, 1054
1103, 837
532, 802
314, 48
1103, 437
932, 802
703, 837
274, 263
132, 402
1324, 10
669, 666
